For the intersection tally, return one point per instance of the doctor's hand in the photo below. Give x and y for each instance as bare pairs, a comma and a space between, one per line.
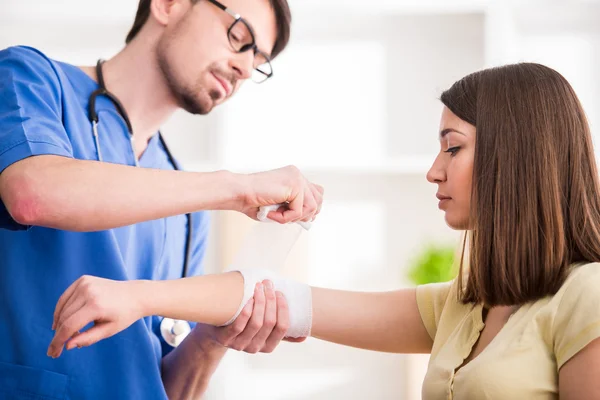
260, 327
281, 186
111, 305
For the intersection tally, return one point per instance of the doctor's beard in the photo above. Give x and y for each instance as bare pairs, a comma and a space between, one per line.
195, 99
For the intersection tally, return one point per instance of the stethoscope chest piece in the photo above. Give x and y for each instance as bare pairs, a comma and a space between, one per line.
174, 331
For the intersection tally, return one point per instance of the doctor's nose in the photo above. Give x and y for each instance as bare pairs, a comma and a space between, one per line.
242, 65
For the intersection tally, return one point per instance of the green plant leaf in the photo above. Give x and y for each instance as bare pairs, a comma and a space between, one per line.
434, 264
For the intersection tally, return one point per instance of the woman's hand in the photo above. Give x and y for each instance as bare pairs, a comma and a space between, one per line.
111, 305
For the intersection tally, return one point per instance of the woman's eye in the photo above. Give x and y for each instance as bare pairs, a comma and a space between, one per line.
452, 150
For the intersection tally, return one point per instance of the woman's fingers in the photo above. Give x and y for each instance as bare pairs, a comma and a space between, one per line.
92, 335
63, 300
73, 305
69, 327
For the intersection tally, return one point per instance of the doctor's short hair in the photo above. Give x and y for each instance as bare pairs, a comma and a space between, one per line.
281, 8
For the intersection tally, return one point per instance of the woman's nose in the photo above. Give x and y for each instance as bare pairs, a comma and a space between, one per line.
436, 173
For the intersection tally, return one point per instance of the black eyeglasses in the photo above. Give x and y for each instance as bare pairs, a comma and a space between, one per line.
241, 38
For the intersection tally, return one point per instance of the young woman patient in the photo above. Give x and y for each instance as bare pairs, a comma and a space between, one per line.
516, 171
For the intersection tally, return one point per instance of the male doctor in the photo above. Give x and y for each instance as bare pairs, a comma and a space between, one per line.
88, 186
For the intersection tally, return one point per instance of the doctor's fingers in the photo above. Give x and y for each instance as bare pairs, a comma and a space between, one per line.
269, 320
281, 327
255, 323
75, 323
310, 204
226, 335
63, 299
318, 193
295, 209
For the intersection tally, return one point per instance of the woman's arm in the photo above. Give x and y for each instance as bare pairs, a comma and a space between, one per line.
578, 378
115, 305
376, 321
385, 321
258, 328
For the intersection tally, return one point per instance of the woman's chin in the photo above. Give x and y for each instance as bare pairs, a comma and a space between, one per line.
456, 223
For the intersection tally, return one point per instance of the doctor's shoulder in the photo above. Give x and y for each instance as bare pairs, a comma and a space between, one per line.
23, 63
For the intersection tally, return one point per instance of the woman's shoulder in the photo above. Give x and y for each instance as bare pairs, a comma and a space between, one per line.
581, 277
575, 312
580, 287
588, 269
441, 308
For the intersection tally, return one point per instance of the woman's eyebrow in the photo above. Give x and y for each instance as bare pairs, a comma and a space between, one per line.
446, 131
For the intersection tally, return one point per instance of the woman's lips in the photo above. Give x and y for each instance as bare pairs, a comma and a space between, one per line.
443, 200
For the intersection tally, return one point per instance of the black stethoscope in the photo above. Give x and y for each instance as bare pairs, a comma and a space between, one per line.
173, 331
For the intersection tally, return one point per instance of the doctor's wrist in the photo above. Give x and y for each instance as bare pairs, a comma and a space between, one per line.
204, 338
227, 190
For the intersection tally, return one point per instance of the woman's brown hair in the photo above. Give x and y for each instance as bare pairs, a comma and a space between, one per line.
535, 203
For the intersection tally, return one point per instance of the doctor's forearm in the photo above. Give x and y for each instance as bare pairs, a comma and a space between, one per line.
186, 371
76, 195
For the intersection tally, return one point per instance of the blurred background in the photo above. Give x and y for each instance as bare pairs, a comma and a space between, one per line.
353, 103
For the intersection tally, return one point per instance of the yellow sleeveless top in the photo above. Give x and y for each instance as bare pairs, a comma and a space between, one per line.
523, 360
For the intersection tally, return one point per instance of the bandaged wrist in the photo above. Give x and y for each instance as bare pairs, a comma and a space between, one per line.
298, 296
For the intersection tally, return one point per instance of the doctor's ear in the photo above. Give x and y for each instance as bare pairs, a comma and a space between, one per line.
163, 11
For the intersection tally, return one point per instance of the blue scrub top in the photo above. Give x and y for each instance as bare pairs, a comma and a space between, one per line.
43, 110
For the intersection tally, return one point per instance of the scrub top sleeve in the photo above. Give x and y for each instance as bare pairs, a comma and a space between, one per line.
30, 113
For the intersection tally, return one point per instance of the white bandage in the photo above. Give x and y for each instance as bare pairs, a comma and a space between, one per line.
298, 296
